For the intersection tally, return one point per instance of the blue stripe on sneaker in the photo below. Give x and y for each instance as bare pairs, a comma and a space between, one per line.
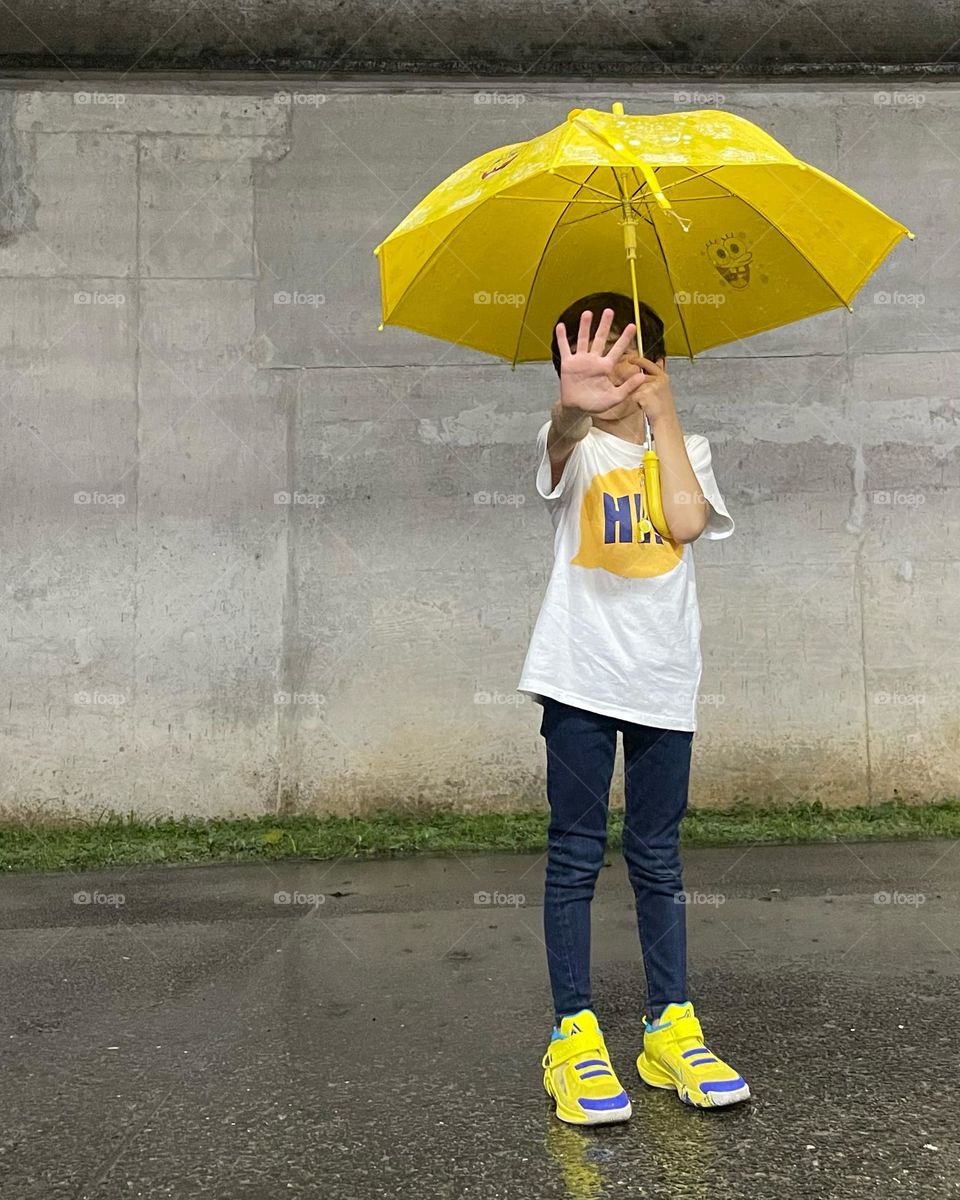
722, 1085
701, 1062
591, 1062
594, 1074
695, 1050
620, 1101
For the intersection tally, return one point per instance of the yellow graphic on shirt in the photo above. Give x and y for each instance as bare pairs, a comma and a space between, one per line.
615, 531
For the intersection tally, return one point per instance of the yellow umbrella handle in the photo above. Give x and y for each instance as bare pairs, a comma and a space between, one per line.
651, 475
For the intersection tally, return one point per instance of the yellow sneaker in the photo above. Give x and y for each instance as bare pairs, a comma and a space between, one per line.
674, 1056
577, 1074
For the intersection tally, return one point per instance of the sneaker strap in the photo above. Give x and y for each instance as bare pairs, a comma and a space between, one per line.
575, 1045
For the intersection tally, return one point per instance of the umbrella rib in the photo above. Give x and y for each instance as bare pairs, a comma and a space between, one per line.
584, 184
557, 199
591, 215
666, 267
607, 206
676, 183
543, 254
677, 200
693, 175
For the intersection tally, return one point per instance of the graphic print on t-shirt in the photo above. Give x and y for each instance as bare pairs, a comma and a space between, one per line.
615, 531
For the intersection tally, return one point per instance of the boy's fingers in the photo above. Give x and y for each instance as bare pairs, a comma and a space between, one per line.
621, 343
651, 368
629, 386
563, 341
600, 337
583, 336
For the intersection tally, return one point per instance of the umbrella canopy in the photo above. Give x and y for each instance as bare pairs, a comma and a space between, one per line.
703, 214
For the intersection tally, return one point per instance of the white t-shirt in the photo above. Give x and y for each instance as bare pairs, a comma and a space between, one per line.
619, 628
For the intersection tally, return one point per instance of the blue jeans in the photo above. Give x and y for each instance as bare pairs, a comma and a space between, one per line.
581, 747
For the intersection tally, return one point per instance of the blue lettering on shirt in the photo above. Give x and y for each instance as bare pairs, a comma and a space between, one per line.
616, 516
617, 522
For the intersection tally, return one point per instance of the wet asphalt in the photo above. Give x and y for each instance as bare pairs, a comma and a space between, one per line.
354, 1030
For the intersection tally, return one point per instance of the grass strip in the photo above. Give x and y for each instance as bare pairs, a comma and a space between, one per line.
116, 840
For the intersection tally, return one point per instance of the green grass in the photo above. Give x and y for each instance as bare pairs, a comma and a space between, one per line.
119, 841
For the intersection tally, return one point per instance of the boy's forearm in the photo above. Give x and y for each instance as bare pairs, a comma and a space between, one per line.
567, 427
684, 504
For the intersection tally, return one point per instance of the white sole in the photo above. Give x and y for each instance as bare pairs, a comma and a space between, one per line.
723, 1099
608, 1116
717, 1099
611, 1117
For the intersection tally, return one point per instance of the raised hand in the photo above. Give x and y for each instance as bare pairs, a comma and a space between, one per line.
587, 374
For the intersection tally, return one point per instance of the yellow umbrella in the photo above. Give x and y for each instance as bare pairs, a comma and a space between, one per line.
728, 233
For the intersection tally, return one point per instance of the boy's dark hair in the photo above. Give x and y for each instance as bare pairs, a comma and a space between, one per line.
651, 327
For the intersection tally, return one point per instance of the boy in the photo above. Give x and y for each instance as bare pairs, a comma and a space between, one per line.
617, 647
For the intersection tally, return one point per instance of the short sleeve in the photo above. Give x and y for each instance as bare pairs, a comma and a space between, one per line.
719, 524
544, 472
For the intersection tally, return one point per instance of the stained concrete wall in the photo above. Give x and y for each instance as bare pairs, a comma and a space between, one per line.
189, 341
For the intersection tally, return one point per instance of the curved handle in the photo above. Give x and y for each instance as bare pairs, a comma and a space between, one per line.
651, 474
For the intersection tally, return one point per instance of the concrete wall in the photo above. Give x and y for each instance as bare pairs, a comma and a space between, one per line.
176, 637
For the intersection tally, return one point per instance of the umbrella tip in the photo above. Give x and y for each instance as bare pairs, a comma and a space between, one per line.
617, 108
380, 327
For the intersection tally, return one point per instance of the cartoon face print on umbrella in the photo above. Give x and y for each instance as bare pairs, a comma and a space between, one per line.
731, 258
